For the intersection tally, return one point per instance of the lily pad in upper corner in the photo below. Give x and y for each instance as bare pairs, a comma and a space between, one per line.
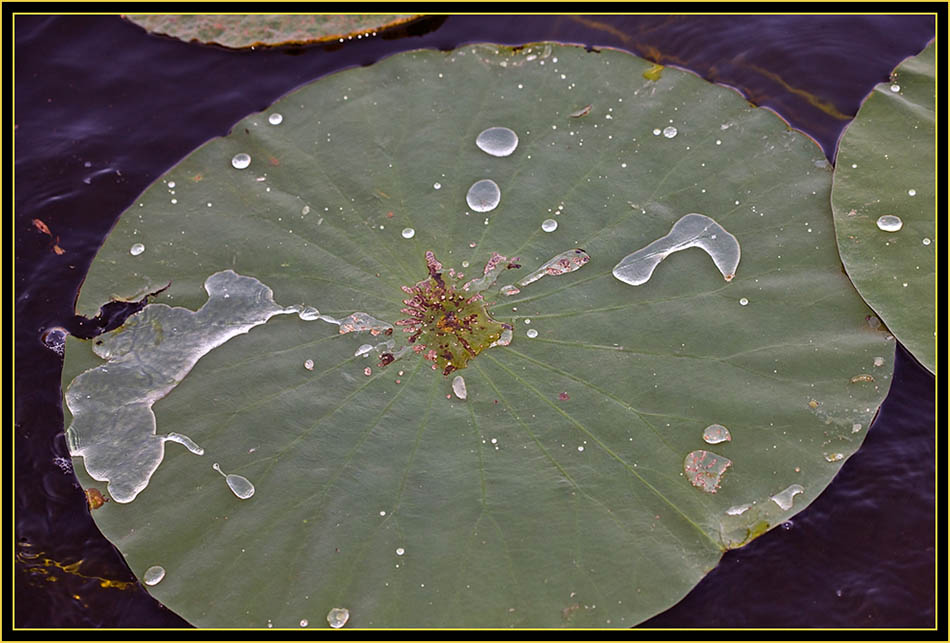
884, 204
575, 476
246, 31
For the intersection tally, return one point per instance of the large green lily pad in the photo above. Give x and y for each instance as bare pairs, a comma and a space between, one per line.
886, 168
238, 31
572, 486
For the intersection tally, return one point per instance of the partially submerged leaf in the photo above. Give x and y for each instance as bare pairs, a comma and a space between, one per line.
554, 488
233, 30
884, 204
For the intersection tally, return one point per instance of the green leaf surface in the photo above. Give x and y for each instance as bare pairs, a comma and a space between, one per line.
238, 31
886, 168
572, 485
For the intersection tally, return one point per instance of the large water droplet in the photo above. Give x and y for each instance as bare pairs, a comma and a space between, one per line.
692, 230
704, 469
567, 261
890, 223
784, 499
275, 119
309, 314
338, 617
549, 225
669, 132
137, 249
497, 141
241, 161
240, 485
483, 196
153, 575
459, 388
716, 433
408, 233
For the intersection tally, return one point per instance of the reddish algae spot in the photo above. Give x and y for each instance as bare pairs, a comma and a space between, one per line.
563, 396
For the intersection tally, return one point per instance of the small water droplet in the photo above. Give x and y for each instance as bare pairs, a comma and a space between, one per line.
855, 428
532, 333
657, 131
171, 184
275, 119
483, 196
308, 365
895, 88
890, 223
497, 141
239, 485
669, 132
153, 575
704, 469
241, 161
879, 361
549, 225
364, 349
303, 622
912, 192
136, 249
459, 388
737, 510
716, 433
925, 241
437, 186
509, 290
785, 498
400, 551
408, 233
580, 448
338, 617
743, 302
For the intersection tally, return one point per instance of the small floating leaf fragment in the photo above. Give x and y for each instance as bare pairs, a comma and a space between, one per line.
408, 233
241, 161
338, 616
834, 457
785, 498
692, 230
716, 433
583, 111
95, 498
240, 485
567, 261
275, 119
549, 225
137, 249
153, 575
654, 72
704, 469
890, 223
483, 196
497, 141
458, 387
863, 377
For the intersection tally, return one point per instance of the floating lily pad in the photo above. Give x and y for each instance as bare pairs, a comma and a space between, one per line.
247, 31
558, 489
884, 203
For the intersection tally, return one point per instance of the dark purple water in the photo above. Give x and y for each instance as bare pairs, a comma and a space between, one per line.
103, 109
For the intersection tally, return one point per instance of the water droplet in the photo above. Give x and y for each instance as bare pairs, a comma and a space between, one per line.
240, 485
580, 448
895, 88
912, 192
136, 249
509, 290
338, 617
185, 441
669, 132
364, 349
532, 333
716, 433
565, 262
309, 314
692, 230
925, 241
704, 469
657, 132
497, 141
743, 302
549, 225
784, 499
153, 575
275, 119
400, 551
241, 161
303, 622
737, 510
308, 365
171, 184
408, 233
458, 387
855, 428
834, 457
583, 111
55, 339
367, 371
483, 196
879, 361
890, 223
437, 186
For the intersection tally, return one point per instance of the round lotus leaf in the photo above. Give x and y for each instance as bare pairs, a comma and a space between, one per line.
884, 203
565, 481
250, 30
